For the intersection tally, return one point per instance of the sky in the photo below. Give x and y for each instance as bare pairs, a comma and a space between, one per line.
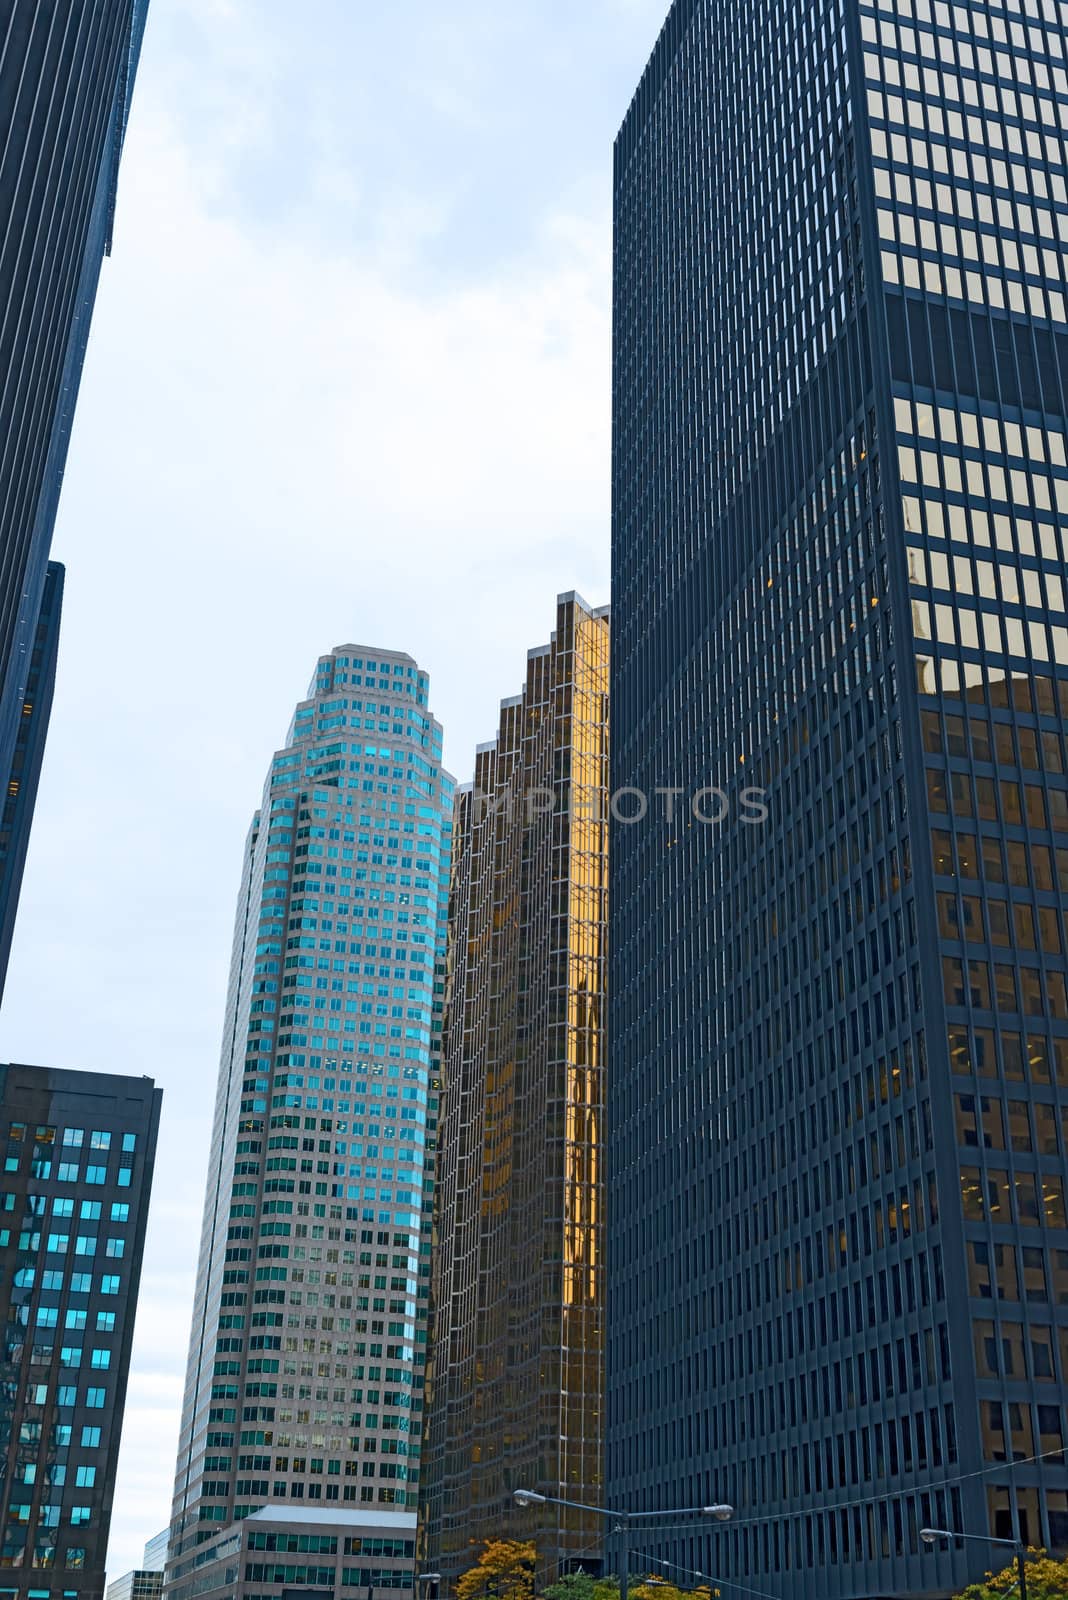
348, 382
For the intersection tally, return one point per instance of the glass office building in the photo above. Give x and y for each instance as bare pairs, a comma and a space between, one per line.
308, 1348
515, 1396
838, 1105
79, 1153
66, 75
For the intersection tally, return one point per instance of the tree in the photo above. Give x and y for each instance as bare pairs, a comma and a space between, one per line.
504, 1570
581, 1586
1046, 1580
577, 1586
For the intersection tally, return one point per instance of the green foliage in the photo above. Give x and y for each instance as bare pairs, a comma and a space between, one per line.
578, 1586
504, 1571
581, 1586
1046, 1580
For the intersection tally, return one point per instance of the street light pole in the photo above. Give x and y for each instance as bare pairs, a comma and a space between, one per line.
623, 1528
1017, 1546
623, 1519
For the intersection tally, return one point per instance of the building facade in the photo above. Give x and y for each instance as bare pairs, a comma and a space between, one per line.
20, 796
141, 1584
838, 1106
308, 1347
80, 1149
320, 1552
66, 74
516, 1395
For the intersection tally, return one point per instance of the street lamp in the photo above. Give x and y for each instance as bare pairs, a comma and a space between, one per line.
929, 1535
623, 1519
428, 1578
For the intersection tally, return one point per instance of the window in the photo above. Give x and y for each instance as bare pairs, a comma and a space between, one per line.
90, 1438
120, 1211
94, 1399
90, 1211
129, 1141
109, 1284
100, 1141
96, 1174
116, 1247
73, 1137
84, 1477
100, 1359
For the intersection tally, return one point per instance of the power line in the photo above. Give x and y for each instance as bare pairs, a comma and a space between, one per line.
708, 1577
871, 1500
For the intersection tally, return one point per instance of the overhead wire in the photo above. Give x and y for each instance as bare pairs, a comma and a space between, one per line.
872, 1500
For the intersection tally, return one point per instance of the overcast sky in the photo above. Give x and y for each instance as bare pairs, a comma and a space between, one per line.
348, 381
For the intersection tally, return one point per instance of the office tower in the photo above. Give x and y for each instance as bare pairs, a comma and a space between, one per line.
303, 1399
155, 1556
66, 73
80, 1148
24, 771
515, 1396
839, 1040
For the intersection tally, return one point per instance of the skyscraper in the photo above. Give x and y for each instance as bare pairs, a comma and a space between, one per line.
838, 1103
308, 1349
517, 1351
66, 73
80, 1149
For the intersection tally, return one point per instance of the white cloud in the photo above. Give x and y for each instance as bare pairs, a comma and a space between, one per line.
343, 384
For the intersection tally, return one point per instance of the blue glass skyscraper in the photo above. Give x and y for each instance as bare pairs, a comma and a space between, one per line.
304, 1388
838, 1042
66, 74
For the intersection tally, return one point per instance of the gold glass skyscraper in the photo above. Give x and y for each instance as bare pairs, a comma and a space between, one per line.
516, 1360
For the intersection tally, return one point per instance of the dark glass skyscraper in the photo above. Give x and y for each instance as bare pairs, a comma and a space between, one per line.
838, 1092
18, 799
66, 72
79, 1153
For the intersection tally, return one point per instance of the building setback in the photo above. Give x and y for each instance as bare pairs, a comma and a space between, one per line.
308, 1348
838, 1105
516, 1386
66, 74
80, 1148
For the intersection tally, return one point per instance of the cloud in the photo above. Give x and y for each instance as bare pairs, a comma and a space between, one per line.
348, 380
